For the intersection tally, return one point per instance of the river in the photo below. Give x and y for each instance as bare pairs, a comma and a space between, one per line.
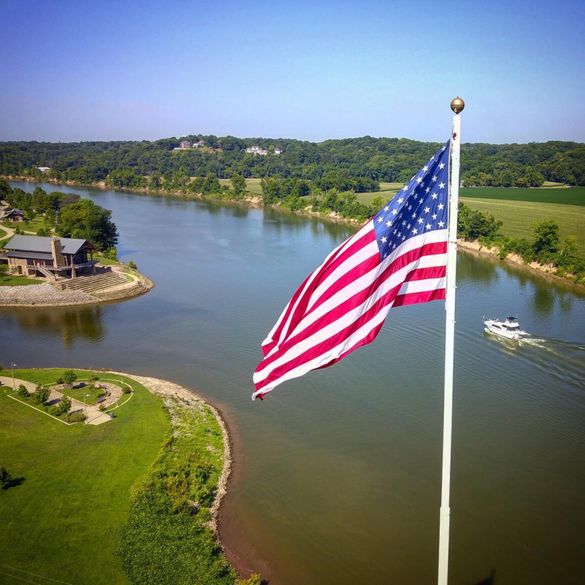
337, 475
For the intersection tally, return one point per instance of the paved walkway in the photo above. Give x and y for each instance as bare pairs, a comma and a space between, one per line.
94, 415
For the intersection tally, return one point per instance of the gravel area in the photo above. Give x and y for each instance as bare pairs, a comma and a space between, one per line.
42, 294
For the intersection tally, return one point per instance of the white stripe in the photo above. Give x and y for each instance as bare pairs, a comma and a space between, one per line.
341, 323
367, 227
424, 285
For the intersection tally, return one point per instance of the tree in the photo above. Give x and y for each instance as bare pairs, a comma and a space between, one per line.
547, 238
69, 377
22, 391
64, 405
238, 185
41, 394
89, 221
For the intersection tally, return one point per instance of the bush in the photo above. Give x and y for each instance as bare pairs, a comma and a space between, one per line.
22, 391
126, 389
77, 416
41, 395
5, 478
132, 265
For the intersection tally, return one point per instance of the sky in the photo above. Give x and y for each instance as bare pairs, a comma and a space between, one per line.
312, 70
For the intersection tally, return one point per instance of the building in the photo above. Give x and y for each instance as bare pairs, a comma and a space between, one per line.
185, 144
277, 151
44, 169
199, 144
256, 151
51, 257
15, 215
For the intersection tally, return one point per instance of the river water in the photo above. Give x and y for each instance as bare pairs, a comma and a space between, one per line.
337, 476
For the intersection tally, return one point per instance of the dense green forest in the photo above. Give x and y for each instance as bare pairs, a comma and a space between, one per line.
353, 164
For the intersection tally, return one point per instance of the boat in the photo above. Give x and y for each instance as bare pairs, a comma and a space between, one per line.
508, 329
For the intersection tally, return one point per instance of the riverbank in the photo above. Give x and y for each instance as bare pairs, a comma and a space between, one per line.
544, 271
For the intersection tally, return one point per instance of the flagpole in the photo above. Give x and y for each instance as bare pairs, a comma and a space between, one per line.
457, 106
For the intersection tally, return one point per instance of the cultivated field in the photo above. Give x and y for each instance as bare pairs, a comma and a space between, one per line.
520, 217
387, 191
252, 185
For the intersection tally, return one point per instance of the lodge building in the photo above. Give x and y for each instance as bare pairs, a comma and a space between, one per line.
49, 256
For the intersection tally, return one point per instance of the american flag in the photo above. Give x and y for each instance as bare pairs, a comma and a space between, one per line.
398, 257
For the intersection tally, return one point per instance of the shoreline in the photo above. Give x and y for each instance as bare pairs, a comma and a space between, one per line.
49, 296
545, 272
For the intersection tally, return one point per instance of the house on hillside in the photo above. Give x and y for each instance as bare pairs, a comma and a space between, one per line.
44, 169
199, 144
51, 257
256, 151
15, 215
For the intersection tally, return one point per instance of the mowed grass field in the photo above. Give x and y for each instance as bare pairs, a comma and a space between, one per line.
565, 196
519, 218
63, 523
387, 191
252, 185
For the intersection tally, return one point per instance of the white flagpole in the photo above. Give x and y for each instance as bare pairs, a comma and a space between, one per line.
457, 106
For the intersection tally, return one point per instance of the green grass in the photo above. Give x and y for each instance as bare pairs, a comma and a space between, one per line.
3, 234
88, 394
387, 191
519, 218
569, 196
252, 185
64, 521
10, 280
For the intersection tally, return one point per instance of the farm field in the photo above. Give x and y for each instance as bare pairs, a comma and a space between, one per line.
520, 217
63, 522
566, 196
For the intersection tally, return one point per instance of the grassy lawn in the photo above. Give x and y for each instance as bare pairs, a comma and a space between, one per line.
88, 394
520, 217
64, 521
387, 191
567, 196
10, 280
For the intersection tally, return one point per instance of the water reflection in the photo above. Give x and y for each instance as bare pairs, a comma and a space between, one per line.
471, 268
68, 323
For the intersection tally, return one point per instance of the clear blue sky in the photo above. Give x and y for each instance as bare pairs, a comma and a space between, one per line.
76, 70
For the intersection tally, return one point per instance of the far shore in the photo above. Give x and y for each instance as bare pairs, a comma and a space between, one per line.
546, 272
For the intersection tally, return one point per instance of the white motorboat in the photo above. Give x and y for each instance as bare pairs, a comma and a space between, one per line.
509, 329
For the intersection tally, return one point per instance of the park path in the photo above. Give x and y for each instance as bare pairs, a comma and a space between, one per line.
94, 415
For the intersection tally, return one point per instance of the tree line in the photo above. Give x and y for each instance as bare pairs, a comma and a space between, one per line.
64, 214
356, 164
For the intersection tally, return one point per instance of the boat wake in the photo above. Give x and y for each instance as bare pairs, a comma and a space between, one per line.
563, 359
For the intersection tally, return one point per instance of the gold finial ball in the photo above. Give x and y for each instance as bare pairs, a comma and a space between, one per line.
457, 105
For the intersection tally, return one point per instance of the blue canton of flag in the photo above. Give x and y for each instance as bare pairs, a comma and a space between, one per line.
419, 207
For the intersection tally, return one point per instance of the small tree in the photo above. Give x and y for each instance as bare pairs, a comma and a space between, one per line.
5, 478
22, 391
41, 394
546, 238
69, 377
65, 405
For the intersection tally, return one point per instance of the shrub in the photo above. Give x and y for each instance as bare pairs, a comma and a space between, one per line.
77, 416
41, 395
5, 478
64, 405
132, 265
126, 389
22, 391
